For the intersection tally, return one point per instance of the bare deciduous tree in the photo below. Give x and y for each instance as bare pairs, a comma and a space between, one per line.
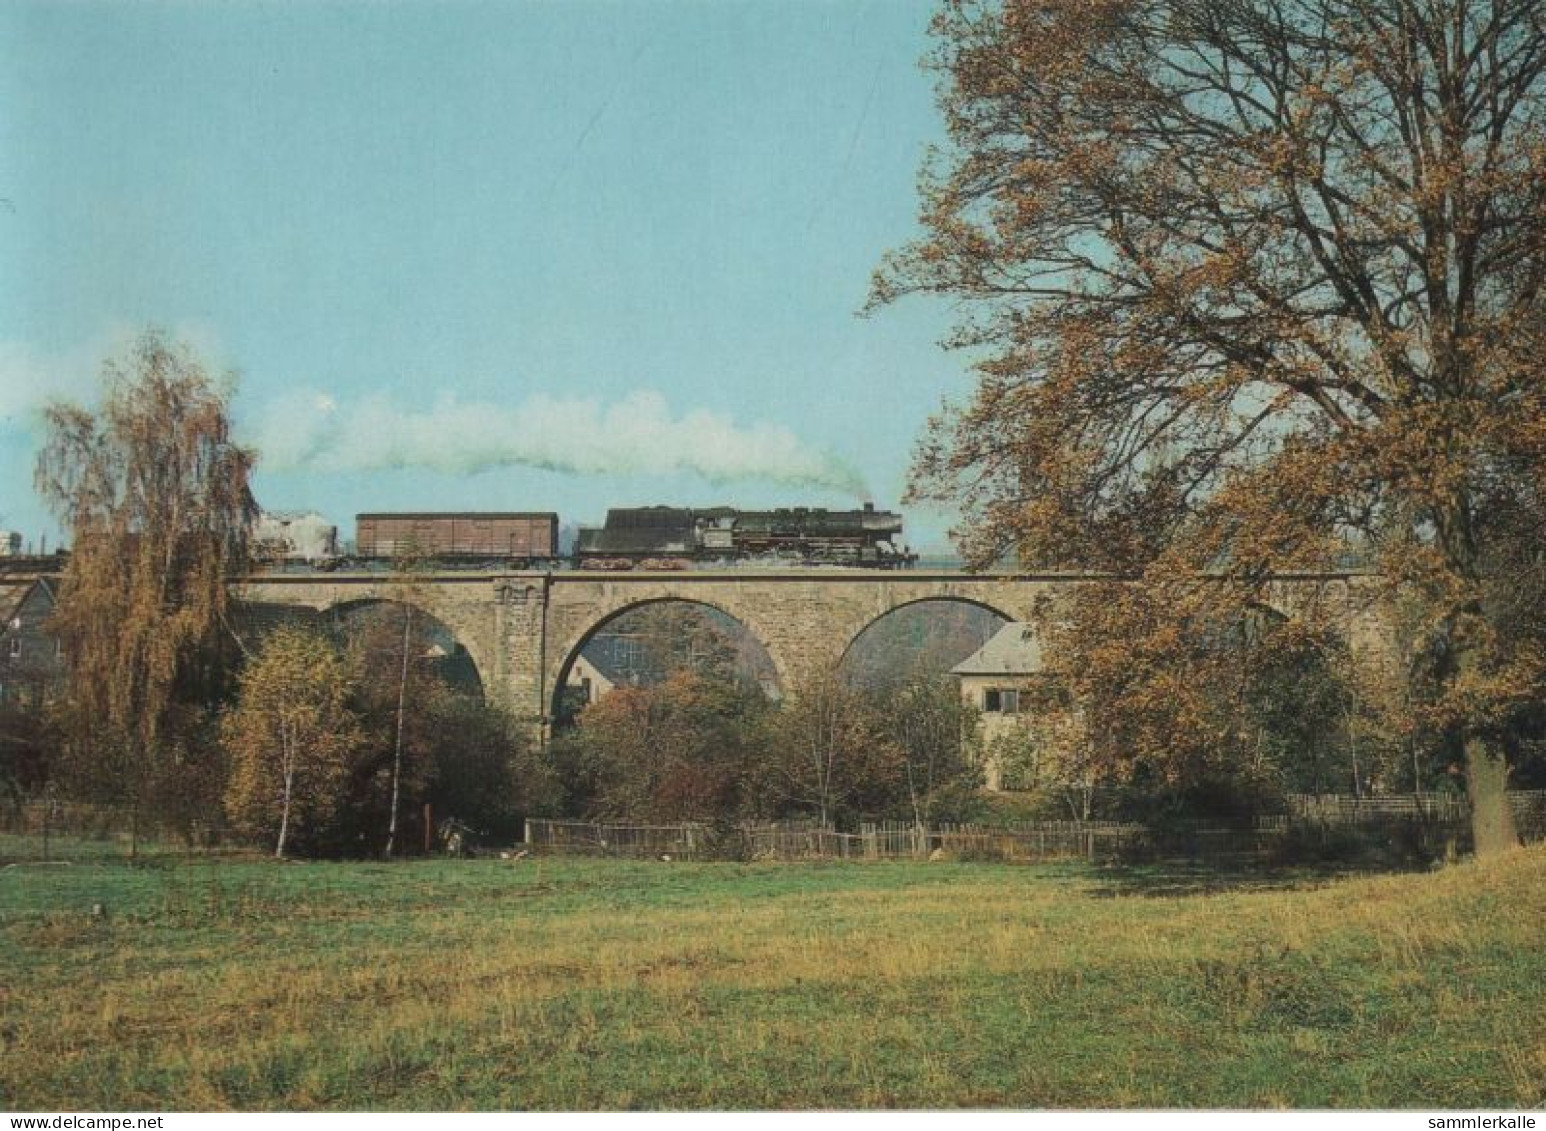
936, 737
829, 754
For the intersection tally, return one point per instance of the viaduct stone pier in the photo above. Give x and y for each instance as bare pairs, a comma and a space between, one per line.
522, 630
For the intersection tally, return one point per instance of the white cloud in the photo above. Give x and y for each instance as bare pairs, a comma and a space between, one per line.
30, 377
309, 430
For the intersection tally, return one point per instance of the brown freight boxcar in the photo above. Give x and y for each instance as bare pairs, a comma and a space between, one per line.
505, 537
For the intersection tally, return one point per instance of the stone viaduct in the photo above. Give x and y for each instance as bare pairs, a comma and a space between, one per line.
522, 630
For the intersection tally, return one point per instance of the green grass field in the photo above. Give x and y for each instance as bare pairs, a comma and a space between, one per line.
568, 984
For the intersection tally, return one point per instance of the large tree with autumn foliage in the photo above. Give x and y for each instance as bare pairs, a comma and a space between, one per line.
291, 737
687, 748
153, 492
1246, 281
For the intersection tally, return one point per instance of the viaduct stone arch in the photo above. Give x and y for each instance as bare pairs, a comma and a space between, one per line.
521, 628
447, 604
576, 615
569, 649
806, 620
972, 601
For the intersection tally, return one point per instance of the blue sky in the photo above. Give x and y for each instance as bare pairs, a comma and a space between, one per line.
548, 256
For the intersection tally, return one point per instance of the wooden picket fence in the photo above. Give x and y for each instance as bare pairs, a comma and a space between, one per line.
45, 829
1026, 840
1342, 808
586, 838
804, 840
1427, 824
1529, 807
1420, 825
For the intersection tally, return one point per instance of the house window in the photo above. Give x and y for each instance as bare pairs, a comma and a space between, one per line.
1001, 701
15, 647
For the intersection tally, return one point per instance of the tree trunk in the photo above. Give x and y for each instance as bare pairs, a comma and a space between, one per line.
1486, 775
1492, 822
284, 815
1486, 769
1486, 772
397, 755
287, 770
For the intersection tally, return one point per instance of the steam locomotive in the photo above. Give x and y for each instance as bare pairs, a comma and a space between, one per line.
632, 538
671, 537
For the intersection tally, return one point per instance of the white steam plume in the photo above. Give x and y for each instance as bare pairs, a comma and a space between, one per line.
312, 431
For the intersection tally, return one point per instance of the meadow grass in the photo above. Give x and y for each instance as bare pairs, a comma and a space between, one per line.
583, 984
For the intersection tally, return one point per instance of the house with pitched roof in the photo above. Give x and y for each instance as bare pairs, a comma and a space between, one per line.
31, 665
997, 679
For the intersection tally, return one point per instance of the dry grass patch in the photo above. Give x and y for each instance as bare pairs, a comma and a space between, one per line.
587, 984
